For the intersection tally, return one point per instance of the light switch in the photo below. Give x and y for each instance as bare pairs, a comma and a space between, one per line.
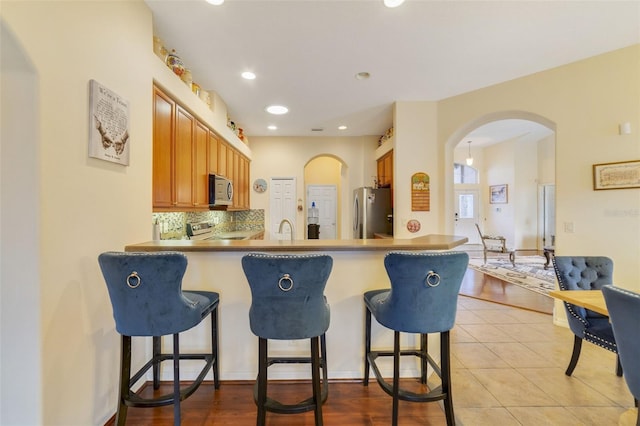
568, 227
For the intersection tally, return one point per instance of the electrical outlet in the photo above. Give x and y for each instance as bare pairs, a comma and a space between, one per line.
216, 220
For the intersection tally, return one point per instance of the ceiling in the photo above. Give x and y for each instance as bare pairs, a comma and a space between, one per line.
306, 53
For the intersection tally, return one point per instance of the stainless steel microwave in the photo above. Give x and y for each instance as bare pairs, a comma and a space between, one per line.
220, 191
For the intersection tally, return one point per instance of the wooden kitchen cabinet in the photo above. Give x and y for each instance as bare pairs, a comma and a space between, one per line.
183, 159
214, 143
223, 148
385, 170
180, 157
201, 166
185, 152
163, 120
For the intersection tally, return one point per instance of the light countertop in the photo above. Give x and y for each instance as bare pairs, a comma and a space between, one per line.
428, 242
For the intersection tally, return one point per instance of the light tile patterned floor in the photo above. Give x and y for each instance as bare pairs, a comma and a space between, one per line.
508, 369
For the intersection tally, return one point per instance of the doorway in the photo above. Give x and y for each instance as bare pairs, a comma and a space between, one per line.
467, 214
547, 216
282, 205
325, 198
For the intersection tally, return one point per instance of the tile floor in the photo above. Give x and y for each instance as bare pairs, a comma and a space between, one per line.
508, 369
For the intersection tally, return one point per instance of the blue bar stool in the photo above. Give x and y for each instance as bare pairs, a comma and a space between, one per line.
147, 300
288, 303
422, 299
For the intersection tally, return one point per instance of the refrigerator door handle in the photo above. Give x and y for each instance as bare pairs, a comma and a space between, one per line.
356, 217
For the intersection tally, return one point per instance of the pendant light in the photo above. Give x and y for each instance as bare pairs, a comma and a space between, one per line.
469, 157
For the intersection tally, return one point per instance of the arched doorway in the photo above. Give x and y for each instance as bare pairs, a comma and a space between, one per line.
323, 181
514, 150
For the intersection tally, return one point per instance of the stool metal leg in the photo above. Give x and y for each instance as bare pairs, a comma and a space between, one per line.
176, 380
214, 348
315, 379
445, 376
125, 377
396, 377
367, 344
424, 348
262, 382
157, 349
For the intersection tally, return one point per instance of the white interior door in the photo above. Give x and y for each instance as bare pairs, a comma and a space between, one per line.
325, 197
467, 214
282, 205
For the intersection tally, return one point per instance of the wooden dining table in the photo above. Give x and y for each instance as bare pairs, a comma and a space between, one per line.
589, 299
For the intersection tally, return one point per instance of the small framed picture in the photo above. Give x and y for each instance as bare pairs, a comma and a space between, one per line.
498, 194
621, 175
108, 125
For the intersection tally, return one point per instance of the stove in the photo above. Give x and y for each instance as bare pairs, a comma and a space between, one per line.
200, 231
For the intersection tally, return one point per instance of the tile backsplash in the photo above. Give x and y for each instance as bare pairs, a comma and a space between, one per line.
173, 225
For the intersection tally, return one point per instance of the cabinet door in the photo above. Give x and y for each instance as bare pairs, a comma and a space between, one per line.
183, 159
163, 113
235, 173
222, 159
213, 153
243, 202
201, 166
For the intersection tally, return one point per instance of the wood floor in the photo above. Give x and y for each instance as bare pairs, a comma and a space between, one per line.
350, 403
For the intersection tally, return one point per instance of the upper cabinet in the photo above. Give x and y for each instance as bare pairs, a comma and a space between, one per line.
185, 152
385, 170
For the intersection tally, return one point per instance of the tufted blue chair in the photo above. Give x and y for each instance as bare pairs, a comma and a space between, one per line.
147, 300
586, 273
624, 313
422, 299
288, 303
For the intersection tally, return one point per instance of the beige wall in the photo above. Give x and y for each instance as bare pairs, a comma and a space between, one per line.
585, 101
287, 157
86, 206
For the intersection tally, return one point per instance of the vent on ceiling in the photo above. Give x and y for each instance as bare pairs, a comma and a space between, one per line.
317, 130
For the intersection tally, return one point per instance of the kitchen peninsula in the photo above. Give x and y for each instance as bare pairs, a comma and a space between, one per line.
357, 266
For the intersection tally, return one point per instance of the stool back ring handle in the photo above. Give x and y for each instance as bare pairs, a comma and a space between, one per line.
286, 277
433, 279
133, 280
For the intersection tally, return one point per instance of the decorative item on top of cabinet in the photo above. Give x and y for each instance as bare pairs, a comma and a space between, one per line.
175, 63
387, 135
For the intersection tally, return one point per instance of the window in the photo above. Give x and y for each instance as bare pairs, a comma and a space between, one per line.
464, 174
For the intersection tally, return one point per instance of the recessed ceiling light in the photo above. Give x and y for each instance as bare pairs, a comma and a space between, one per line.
393, 3
272, 127
277, 109
342, 127
248, 75
215, 2
363, 75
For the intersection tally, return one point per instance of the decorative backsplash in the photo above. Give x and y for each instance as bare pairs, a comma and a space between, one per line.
173, 225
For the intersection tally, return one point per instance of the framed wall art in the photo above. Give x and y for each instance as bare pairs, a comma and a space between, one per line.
498, 194
620, 175
108, 125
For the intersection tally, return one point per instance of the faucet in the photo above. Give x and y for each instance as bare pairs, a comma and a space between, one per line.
282, 222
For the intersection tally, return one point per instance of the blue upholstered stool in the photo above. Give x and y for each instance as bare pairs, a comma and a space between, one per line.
147, 300
586, 273
422, 299
288, 303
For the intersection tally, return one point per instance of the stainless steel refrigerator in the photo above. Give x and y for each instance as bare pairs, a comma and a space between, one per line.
371, 207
